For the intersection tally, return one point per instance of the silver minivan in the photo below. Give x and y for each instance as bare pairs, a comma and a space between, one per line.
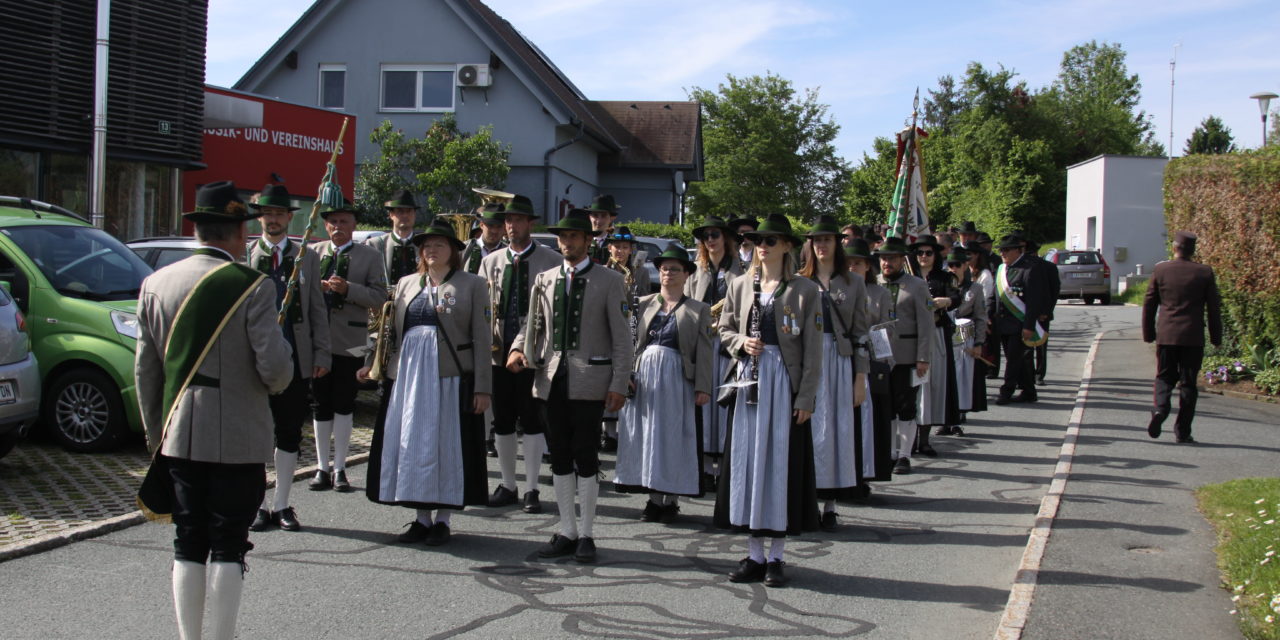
19, 376
1083, 274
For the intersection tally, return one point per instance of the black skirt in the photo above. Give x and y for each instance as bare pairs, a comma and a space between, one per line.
802, 488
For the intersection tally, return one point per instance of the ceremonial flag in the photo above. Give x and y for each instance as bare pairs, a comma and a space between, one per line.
908, 214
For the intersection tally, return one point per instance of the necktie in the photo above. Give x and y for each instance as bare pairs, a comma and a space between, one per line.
275, 258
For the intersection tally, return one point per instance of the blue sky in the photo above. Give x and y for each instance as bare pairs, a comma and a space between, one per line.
866, 59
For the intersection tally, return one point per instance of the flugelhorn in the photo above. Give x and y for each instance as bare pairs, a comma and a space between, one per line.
493, 196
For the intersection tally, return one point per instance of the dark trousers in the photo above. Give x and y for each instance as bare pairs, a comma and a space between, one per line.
1041, 354
1177, 365
903, 397
1018, 366
213, 506
289, 410
573, 430
336, 392
513, 400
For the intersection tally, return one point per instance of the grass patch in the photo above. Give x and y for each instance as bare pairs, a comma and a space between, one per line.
1244, 512
1135, 293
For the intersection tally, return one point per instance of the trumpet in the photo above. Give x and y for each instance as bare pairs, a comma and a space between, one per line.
382, 324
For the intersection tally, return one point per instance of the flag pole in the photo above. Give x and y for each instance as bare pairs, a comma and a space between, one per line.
910, 150
330, 168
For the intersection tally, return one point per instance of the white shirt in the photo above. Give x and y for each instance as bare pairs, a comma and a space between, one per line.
577, 268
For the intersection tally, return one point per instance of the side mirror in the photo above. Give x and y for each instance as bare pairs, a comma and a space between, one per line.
7, 286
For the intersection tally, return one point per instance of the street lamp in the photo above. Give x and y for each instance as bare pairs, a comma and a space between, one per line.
1264, 101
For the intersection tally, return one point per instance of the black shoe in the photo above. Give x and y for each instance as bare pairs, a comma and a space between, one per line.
994, 374
652, 512
1040, 381
262, 521
927, 450
417, 533
708, 483
502, 497
943, 431
531, 503
773, 576
287, 519
586, 550
340, 483
559, 547
862, 491
608, 444
748, 571
1153, 427
490, 449
437, 535
957, 431
321, 482
669, 513
1186, 440
828, 521
1003, 400
1028, 397
902, 467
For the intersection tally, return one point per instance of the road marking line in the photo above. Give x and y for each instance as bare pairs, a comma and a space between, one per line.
1016, 611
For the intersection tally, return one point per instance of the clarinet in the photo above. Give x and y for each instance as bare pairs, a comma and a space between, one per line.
753, 331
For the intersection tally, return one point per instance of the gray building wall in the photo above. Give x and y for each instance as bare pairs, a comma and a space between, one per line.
644, 194
1124, 196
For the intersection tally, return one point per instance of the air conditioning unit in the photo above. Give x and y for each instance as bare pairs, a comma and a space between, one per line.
474, 75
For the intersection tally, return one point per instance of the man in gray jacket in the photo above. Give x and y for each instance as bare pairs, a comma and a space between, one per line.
911, 309
209, 353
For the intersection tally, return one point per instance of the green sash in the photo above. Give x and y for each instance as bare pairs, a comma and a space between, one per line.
1015, 305
199, 322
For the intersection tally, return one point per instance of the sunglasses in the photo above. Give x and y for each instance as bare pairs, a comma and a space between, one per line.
622, 236
769, 241
924, 252
711, 235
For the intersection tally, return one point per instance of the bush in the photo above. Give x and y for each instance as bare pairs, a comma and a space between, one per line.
1268, 381
659, 230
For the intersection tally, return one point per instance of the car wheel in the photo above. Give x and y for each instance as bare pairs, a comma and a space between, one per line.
7, 442
1088, 300
84, 412
1106, 299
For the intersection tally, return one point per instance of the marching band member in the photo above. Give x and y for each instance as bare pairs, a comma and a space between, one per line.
971, 331
843, 384
429, 455
741, 226
659, 446
578, 342
635, 278
910, 309
875, 452
938, 405
603, 212
1023, 298
772, 321
717, 266
492, 234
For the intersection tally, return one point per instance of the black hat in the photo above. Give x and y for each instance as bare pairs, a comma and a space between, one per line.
274, 195
674, 252
775, 224
893, 246
927, 241
1185, 240
604, 203
957, 255
328, 210
869, 234
974, 246
219, 202
439, 227
824, 225
713, 222
521, 205
402, 199
857, 248
983, 237
968, 227
741, 220
1011, 241
575, 220
491, 213
620, 234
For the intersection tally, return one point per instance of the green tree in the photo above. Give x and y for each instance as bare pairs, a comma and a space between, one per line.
441, 167
1096, 100
1273, 136
943, 105
1212, 136
870, 191
767, 150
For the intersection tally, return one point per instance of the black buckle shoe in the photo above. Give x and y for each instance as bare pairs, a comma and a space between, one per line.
773, 576
321, 482
1003, 400
1154, 427
340, 483
490, 449
927, 450
1027, 397
1186, 440
903, 467
652, 512
437, 535
748, 571
943, 431
531, 502
559, 547
417, 533
262, 521
502, 497
287, 519
585, 551
669, 513
1040, 381
828, 522
708, 483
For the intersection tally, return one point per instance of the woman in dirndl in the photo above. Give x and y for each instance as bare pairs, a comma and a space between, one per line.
717, 265
836, 423
429, 456
984, 285
971, 327
659, 447
772, 324
875, 447
938, 402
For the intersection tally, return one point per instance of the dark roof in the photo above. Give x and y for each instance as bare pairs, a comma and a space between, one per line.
653, 134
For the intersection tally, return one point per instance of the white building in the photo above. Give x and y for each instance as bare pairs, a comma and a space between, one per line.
1116, 204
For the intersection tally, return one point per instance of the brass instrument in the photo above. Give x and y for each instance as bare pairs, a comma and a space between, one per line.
629, 283
493, 196
533, 332
382, 326
716, 310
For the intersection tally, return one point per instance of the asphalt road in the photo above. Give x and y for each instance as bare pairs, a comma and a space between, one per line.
932, 555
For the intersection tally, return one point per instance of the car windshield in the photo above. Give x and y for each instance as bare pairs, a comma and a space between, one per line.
1084, 257
82, 262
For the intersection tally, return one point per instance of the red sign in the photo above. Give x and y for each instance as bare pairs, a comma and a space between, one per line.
290, 147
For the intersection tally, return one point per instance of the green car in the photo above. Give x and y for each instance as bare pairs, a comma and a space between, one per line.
78, 288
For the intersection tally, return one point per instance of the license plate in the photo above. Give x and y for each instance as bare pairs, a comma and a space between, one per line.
1082, 275
6, 392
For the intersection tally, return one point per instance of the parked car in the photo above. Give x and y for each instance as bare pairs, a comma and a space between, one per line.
19, 376
78, 288
161, 252
646, 247
1083, 274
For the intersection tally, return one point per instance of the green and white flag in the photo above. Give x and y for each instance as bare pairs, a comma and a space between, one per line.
908, 214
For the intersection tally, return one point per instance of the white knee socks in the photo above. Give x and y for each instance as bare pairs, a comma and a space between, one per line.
755, 549
341, 440
324, 433
588, 491
286, 463
565, 486
829, 506
506, 446
424, 517
226, 584
904, 438
534, 446
775, 549
188, 598
443, 516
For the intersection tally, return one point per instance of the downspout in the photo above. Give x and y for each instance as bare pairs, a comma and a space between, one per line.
546, 168
98, 162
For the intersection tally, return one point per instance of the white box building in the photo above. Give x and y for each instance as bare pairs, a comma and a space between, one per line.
1116, 204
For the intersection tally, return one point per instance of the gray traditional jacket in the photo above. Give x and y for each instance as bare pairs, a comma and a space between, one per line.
849, 318
911, 309
693, 325
498, 268
798, 317
311, 327
464, 299
366, 275
385, 245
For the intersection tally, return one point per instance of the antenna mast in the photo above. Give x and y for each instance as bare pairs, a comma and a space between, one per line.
1173, 63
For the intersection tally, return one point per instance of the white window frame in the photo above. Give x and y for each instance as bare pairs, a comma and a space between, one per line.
417, 88
320, 85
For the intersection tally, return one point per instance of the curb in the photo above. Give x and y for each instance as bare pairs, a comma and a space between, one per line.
1239, 395
1021, 595
103, 527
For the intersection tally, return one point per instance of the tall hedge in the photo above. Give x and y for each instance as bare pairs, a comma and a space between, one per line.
1232, 202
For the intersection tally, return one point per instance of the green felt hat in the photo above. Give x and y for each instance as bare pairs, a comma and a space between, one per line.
604, 203
521, 205
492, 213
575, 220
621, 234
927, 241
824, 225
893, 246
958, 255
327, 210
439, 228
219, 202
775, 224
1011, 241
713, 222
674, 253
734, 223
857, 248
274, 195
402, 199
